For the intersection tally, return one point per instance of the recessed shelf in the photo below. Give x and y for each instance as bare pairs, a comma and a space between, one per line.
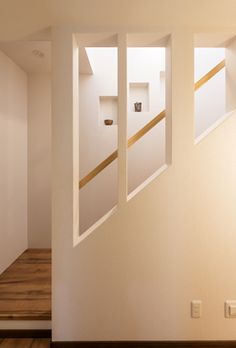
139, 93
108, 109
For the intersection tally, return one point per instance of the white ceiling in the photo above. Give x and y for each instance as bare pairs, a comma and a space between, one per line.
21, 53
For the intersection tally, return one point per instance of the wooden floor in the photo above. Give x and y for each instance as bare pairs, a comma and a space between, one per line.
25, 343
25, 288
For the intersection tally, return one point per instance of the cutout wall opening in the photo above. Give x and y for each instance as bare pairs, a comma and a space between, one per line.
214, 64
97, 130
146, 74
148, 138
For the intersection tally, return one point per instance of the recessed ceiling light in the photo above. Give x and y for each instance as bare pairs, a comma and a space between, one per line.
38, 53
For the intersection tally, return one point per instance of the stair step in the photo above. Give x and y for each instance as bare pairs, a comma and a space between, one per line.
25, 287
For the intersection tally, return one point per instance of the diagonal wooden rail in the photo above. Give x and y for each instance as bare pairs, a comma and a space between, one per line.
146, 128
209, 75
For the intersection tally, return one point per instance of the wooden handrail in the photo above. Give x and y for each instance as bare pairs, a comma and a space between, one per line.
146, 129
209, 75
98, 169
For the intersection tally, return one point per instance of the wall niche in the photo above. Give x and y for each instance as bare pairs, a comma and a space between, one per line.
139, 93
108, 110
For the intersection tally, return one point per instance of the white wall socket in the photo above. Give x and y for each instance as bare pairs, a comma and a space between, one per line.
230, 309
196, 309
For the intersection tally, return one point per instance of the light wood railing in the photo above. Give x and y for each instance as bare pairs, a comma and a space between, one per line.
209, 75
146, 128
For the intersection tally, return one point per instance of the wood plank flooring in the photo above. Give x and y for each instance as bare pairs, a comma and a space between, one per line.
25, 343
25, 287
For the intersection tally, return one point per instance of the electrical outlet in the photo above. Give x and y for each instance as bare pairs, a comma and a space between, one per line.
230, 309
196, 309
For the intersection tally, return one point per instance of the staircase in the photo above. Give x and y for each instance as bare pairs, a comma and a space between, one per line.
25, 291
141, 133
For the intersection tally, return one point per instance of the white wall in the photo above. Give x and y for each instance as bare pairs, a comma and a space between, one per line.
134, 277
13, 161
39, 160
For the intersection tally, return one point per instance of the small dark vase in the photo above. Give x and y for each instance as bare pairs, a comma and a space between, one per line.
137, 107
108, 122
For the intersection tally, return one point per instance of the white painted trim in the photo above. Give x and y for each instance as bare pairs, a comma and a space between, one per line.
213, 127
122, 120
147, 181
75, 134
25, 324
95, 225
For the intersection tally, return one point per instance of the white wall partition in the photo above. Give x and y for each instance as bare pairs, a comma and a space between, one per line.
13, 161
173, 240
230, 55
122, 117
